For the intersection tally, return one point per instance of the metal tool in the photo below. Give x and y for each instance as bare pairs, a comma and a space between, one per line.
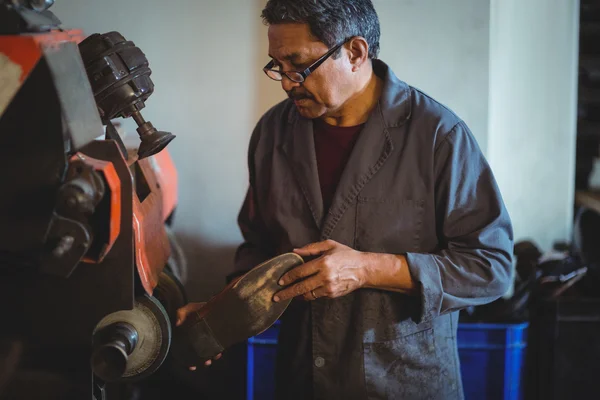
120, 76
130, 345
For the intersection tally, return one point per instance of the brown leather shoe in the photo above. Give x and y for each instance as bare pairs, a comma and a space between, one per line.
243, 309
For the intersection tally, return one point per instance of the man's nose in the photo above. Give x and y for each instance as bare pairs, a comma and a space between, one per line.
287, 84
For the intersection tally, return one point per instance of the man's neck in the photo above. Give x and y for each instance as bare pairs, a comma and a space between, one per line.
358, 107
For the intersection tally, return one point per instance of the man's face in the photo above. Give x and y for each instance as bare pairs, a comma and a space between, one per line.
292, 48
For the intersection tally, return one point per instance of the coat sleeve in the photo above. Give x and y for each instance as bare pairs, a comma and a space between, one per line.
257, 245
474, 263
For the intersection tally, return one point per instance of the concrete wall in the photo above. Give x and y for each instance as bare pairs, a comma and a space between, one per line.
532, 123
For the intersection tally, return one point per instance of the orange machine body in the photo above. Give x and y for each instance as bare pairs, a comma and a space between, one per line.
155, 178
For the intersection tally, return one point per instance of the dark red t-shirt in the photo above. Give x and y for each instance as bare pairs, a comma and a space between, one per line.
333, 145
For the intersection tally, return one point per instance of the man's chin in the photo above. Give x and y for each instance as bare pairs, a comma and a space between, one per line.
308, 111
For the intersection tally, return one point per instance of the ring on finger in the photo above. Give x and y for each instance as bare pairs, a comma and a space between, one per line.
313, 294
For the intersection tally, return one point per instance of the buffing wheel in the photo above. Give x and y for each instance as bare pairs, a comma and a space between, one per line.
170, 293
144, 354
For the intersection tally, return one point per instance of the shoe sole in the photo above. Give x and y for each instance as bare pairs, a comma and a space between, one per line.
242, 310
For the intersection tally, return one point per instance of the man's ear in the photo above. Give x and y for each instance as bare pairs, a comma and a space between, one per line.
359, 52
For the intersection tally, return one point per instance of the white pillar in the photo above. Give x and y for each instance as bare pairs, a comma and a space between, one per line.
532, 113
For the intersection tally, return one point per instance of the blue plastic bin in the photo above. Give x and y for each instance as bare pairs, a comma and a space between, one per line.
491, 360
491, 357
260, 370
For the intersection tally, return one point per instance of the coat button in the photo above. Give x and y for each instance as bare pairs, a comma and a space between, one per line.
319, 362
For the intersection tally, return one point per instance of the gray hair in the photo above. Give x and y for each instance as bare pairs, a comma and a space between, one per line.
330, 21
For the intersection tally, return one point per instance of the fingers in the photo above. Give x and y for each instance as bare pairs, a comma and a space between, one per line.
314, 294
302, 271
207, 363
298, 289
184, 311
314, 249
181, 315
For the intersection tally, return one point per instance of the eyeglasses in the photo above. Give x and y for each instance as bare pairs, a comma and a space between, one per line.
299, 76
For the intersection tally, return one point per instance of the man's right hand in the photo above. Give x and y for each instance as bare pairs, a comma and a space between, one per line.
182, 314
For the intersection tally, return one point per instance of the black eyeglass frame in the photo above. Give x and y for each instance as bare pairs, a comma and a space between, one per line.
303, 74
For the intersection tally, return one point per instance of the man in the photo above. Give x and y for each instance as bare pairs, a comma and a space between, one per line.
386, 194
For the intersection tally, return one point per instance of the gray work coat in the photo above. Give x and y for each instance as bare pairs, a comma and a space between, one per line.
417, 184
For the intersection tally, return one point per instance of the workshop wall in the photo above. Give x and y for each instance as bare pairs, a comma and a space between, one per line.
533, 110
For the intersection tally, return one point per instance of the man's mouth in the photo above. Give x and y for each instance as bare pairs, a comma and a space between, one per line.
299, 98
301, 101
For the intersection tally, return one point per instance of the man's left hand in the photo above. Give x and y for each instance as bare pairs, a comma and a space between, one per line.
338, 271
